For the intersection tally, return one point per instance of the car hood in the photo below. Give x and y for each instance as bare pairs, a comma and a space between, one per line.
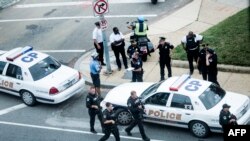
120, 94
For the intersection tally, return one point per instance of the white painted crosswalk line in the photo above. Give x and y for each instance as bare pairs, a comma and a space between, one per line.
56, 4
11, 109
74, 17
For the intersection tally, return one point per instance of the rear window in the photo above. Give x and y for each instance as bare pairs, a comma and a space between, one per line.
44, 68
212, 96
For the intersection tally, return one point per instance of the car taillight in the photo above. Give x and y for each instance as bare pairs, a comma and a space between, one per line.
80, 75
53, 90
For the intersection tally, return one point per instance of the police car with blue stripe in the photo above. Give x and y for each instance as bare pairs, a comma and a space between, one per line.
35, 76
182, 102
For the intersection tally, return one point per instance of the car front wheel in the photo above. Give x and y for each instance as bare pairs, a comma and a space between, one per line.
123, 117
199, 129
28, 98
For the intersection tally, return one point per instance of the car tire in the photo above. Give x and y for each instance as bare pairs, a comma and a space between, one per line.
199, 129
153, 1
28, 98
123, 116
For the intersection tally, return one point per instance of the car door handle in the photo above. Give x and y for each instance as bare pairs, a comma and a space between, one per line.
18, 83
187, 114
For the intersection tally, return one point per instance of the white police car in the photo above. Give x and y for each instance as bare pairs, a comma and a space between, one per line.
182, 102
35, 76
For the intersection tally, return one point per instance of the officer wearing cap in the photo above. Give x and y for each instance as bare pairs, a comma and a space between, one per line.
133, 48
211, 62
95, 69
191, 43
98, 42
109, 122
165, 59
226, 118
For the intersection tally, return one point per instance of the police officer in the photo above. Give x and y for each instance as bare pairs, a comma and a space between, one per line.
165, 59
133, 48
141, 27
109, 123
191, 44
137, 72
98, 41
201, 62
95, 69
226, 118
211, 62
117, 45
136, 108
93, 104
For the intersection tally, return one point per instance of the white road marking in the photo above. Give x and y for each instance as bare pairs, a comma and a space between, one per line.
11, 109
75, 17
61, 51
56, 4
65, 130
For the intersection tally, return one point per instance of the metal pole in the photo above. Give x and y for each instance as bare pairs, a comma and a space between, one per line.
106, 49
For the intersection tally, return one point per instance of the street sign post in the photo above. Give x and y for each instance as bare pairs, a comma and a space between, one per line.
101, 7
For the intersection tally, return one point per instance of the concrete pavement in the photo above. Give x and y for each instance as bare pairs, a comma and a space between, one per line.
198, 16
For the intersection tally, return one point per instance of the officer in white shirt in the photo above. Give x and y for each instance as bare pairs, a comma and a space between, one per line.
117, 45
191, 43
98, 42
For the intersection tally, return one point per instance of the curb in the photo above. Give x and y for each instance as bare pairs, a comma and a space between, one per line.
175, 63
12, 2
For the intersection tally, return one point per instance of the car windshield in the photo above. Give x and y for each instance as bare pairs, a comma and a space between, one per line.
212, 95
44, 68
151, 89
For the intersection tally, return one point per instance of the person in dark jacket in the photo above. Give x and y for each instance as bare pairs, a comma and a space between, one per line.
201, 62
136, 108
137, 72
132, 49
226, 118
109, 123
93, 101
165, 59
211, 62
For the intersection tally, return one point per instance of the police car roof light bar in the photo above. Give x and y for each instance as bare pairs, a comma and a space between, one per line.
18, 53
179, 82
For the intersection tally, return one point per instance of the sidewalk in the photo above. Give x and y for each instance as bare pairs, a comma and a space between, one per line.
198, 16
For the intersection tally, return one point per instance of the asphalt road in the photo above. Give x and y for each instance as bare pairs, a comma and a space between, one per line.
70, 121
41, 28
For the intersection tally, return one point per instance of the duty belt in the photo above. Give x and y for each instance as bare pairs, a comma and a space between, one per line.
193, 48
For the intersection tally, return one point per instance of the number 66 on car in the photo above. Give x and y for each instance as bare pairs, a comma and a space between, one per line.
35, 76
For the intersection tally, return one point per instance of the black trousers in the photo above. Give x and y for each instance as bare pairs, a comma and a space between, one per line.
137, 76
92, 115
137, 121
191, 56
117, 51
166, 62
108, 131
204, 72
100, 52
212, 77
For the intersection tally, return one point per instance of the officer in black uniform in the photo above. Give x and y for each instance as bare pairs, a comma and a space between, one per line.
93, 101
136, 107
201, 62
133, 48
109, 123
137, 72
226, 118
165, 59
191, 44
211, 61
